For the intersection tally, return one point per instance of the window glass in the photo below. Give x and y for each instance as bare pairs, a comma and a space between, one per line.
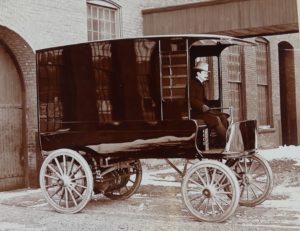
103, 21
262, 70
235, 80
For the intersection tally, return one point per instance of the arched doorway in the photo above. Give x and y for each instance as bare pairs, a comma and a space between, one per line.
287, 93
11, 124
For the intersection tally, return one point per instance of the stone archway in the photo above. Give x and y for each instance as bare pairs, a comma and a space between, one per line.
287, 93
22, 60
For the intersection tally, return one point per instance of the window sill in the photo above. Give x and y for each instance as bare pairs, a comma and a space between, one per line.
266, 130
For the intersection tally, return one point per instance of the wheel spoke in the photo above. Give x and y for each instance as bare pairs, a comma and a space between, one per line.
64, 164
224, 201
198, 206
251, 166
78, 185
72, 196
225, 193
253, 191
70, 168
51, 186
53, 170
217, 203
52, 177
195, 182
206, 205
58, 166
206, 174
77, 169
61, 197
78, 193
257, 167
213, 176
57, 190
212, 207
224, 185
196, 197
240, 166
67, 198
78, 178
257, 186
201, 179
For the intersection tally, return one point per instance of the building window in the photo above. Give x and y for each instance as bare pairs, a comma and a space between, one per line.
235, 80
263, 82
103, 20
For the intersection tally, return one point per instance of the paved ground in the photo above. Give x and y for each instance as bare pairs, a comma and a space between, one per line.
155, 207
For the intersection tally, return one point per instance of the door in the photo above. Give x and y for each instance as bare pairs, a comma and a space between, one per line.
287, 94
11, 135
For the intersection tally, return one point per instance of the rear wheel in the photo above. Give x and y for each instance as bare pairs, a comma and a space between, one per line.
66, 181
210, 191
126, 181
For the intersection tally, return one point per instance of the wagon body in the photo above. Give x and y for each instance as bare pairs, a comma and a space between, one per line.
105, 105
123, 90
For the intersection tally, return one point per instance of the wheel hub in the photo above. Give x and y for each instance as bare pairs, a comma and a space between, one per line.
65, 181
209, 192
247, 178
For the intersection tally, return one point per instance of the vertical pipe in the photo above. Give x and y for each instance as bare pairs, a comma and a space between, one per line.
160, 80
220, 81
188, 77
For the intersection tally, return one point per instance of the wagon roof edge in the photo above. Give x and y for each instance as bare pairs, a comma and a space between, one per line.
195, 36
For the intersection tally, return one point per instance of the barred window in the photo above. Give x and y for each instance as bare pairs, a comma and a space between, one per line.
235, 80
102, 20
263, 80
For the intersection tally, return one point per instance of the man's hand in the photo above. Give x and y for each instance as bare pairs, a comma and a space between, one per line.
205, 108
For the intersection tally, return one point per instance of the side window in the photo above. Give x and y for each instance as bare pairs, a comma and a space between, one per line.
102, 20
235, 69
263, 83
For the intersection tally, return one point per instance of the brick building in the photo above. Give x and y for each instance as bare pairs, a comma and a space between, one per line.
26, 26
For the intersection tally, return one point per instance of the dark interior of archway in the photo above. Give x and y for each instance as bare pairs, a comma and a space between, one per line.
287, 94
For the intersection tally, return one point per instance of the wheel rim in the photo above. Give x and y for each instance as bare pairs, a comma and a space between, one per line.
255, 178
127, 182
205, 191
66, 181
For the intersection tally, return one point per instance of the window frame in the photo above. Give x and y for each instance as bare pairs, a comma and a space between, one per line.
108, 5
267, 84
240, 83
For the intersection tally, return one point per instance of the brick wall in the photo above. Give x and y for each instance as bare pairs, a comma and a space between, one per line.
268, 137
52, 23
28, 25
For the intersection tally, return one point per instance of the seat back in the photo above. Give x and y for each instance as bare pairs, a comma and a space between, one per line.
241, 136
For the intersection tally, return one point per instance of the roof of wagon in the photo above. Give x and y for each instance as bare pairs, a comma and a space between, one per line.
200, 39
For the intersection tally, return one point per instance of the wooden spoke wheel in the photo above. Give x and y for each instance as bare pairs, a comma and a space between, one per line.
255, 179
66, 181
126, 181
205, 189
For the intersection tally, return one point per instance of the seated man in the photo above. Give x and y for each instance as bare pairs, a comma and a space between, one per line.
213, 118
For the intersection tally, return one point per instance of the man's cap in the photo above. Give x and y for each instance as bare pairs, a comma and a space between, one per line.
201, 66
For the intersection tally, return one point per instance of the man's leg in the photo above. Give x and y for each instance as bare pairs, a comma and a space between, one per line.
221, 130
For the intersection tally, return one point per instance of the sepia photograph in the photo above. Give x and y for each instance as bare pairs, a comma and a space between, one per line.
149, 115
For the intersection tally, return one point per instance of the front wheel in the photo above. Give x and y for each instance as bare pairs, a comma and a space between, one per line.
255, 178
210, 191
